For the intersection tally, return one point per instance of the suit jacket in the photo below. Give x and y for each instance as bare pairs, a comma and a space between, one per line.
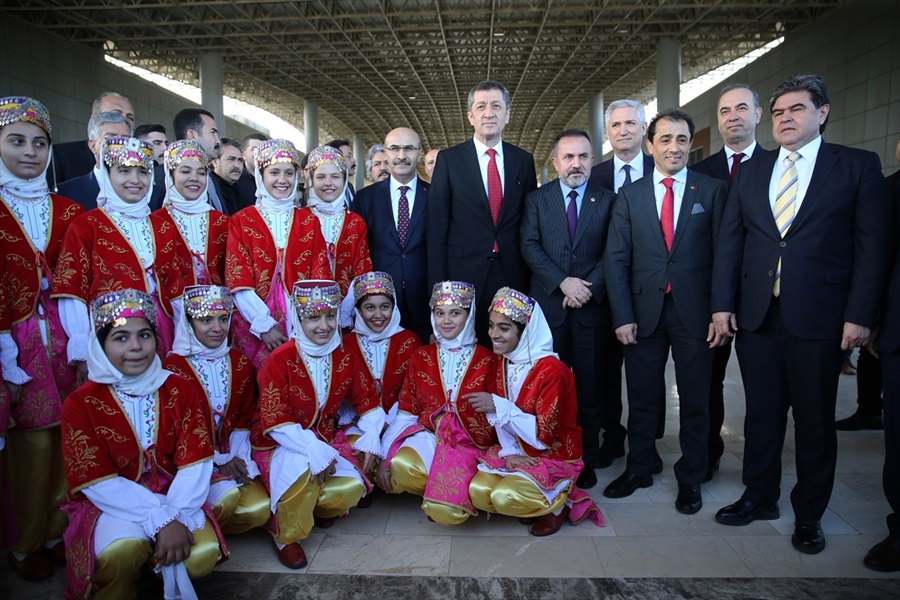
602, 174
85, 189
70, 160
889, 332
407, 264
552, 256
638, 265
461, 232
716, 165
231, 195
834, 256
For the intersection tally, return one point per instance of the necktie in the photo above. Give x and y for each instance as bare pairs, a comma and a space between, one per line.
627, 169
572, 215
667, 218
784, 209
736, 164
403, 215
495, 190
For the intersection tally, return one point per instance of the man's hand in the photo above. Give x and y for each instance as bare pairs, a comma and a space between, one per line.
627, 334
273, 338
725, 323
854, 335
576, 292
715, 338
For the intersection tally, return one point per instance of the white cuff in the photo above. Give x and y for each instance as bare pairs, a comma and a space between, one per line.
254, 311
372, 424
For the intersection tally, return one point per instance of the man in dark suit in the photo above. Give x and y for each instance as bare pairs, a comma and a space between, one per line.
658, 271
626, 125
475, 205
738, 113
225, 174
394, 210
564, 231
85, 188
801, 263
74, 159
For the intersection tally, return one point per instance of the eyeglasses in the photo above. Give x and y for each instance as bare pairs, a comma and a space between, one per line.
398, 149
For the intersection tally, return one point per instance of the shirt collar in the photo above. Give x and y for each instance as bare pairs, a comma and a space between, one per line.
680, 176
637, 163
579, 190
748, 151
481, 148
395, 185
809, 151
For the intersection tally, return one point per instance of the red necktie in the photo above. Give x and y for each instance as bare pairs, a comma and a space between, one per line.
403, 215
736, 164
667, 218
495, 189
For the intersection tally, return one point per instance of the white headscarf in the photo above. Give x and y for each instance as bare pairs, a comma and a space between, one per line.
186, 343
536, 340
466, 337
306, 345
328, 208
101, 370
179, 202
111, 202
27, 189
266, 200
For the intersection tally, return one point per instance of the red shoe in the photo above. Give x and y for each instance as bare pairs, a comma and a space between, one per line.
292, 556
34, 567
549, 524
57, 554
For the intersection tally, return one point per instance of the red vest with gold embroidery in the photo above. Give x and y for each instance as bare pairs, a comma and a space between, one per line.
350, 252
401, 347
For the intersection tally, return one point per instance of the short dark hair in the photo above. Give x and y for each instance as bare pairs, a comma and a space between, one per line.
569, 133
807, 82
304, 162
142, 131
227, 141
671, 114
739, 86
337, 143
487, 85
254, 136
189, 118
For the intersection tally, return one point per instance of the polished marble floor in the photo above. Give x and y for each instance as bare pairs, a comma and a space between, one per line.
392, 548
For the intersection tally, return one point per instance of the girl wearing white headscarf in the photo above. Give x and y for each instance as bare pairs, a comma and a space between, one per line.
112, 247
271, 246
191, 235
531, 473
138, 450
313, 473
35, 368
201, 353
436, 434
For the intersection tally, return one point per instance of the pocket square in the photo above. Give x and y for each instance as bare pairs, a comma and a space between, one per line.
697, 209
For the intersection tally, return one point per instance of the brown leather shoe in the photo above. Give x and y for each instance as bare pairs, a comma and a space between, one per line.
549, 524
292, 556
34, 567
57, 554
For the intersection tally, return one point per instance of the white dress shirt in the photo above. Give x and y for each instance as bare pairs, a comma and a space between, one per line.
484, 159
659, 190
804, 164
729, 154
637, 170
395, 197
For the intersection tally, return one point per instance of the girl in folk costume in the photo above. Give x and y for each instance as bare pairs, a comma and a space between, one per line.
191, 235
531, 473
312, 473
271, 246
112, 247
433, 444
36, 372
138, 451
201, 353
344, 233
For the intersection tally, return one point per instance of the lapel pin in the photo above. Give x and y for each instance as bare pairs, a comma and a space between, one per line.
693, 187
593, 199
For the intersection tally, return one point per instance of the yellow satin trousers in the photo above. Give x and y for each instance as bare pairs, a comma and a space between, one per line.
307, 498
409, 474
243, 508
512, 495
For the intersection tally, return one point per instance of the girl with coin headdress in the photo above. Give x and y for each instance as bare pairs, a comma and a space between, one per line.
36, 371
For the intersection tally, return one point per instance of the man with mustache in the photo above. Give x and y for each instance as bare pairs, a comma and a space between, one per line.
658, 270
394, 212
564, 230
226, 174
377, 164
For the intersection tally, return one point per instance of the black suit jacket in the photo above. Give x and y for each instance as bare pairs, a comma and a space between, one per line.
84, 191
407, 264
638, 265
231, 195
834, 256
602, 174
70, 160
552, 256
461, 232
889, 332
716, 165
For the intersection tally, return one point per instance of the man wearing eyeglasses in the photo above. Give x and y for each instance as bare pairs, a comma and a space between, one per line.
394, 211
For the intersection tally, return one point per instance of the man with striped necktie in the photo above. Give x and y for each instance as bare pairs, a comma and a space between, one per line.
800, 267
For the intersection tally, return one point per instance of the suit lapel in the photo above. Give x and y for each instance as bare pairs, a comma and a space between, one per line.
759, 188
648, 210
557, 209
508, 177
387, 211
418, 206
825, 161
588, 208
687, 206
471, 165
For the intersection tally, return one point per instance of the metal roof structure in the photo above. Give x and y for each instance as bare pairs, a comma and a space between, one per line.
372, 65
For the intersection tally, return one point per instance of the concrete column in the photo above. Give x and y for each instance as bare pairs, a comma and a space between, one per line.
545, 175
359, 153
212, 76
668, 73
596, 126
311, 124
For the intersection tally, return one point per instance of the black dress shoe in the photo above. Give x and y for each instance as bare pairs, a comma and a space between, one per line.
608, 453
587, 479
808, 537
884, 556
713, 467
744, 512
657, 463
858, 422
625, 484
689, 500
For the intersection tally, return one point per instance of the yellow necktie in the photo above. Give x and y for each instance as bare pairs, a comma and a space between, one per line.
784, 209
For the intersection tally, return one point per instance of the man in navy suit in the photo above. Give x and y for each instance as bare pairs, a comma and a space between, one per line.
738, 115
801, 263
564, 232
626, 125
394, 211
658, 271
475, 206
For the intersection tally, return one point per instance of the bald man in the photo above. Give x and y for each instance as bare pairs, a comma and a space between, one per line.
394, 211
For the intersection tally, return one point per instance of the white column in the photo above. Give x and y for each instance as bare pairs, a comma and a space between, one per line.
545, 175
359, 152
668, 73
212, 76
596, 127
311, 124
